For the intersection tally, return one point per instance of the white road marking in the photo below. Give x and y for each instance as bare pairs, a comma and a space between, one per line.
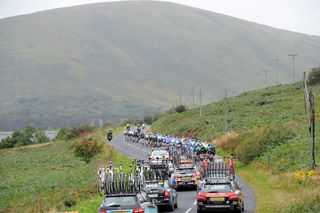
195, 202
188, 210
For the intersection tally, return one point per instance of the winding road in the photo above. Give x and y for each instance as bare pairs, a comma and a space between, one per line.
186, 199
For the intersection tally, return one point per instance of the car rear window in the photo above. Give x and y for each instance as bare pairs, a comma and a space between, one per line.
120, 201
160, 153
216, 188
180, 171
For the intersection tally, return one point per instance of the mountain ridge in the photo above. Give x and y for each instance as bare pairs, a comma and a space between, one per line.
142, 52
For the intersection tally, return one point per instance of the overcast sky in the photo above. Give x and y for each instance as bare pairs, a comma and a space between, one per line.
294, 15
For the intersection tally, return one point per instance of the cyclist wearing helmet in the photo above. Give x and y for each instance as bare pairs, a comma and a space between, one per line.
128, 127
138, 128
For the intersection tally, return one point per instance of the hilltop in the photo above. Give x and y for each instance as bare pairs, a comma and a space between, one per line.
124, 59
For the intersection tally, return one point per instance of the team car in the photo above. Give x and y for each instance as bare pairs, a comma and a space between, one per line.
161, 193
185, 176
128, 203
158, 158
219, 194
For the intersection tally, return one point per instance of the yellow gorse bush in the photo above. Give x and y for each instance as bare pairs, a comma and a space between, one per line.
311, 173
299, 176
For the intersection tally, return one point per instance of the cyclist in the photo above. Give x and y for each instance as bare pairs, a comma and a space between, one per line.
232, 164
128, 127
138, 128
203, 168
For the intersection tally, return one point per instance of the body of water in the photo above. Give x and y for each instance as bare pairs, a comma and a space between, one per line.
50, 134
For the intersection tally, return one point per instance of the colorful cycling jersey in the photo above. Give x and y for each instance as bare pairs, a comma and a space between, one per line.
232, 162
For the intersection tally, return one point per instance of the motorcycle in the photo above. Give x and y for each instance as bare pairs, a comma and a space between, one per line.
109, 136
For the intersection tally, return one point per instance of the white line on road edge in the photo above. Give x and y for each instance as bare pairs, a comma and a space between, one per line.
195, 202
188, 210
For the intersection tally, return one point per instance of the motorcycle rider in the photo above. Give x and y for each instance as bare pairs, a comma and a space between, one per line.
109, 134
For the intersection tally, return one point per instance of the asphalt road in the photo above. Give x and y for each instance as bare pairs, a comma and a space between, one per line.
186, 199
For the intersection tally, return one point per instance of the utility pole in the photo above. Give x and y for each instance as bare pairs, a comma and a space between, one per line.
277, 60
225, 111
193, 94
200, 96
176, 101
265, 75
312, 154
180, 99
173, 109
306, 96
293, 67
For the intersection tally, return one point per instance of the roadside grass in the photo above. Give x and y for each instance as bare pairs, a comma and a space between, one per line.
280, 193
268, 124
40, 178
92, 204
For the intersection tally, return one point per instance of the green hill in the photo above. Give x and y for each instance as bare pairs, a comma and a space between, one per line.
267, 129
142, 53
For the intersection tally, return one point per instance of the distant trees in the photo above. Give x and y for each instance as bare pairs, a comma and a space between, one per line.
29, 135
66, 134
314, 76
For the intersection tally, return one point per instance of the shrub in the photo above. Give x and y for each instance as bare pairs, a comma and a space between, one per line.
256, 142
7, 143
65, 134
87, 149
314, 76
299, 176
180, 108
229, 141
69, 201
82, 130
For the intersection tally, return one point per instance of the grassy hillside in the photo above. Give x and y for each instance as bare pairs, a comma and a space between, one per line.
136, 52
41, 177
268, 131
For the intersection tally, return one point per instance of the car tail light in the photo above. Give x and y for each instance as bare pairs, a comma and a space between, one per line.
138, 210
201, 198
233, 197
102, 211
166, 194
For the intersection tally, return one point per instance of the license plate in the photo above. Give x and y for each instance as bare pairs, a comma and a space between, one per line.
120, 212
153, 195
216, 199
186, 178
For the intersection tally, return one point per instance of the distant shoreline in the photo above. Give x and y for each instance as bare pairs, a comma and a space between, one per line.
51, 134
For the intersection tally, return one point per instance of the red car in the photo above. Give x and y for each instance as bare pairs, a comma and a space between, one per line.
220, 194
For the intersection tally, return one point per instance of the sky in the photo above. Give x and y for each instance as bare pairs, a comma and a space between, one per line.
294, 15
